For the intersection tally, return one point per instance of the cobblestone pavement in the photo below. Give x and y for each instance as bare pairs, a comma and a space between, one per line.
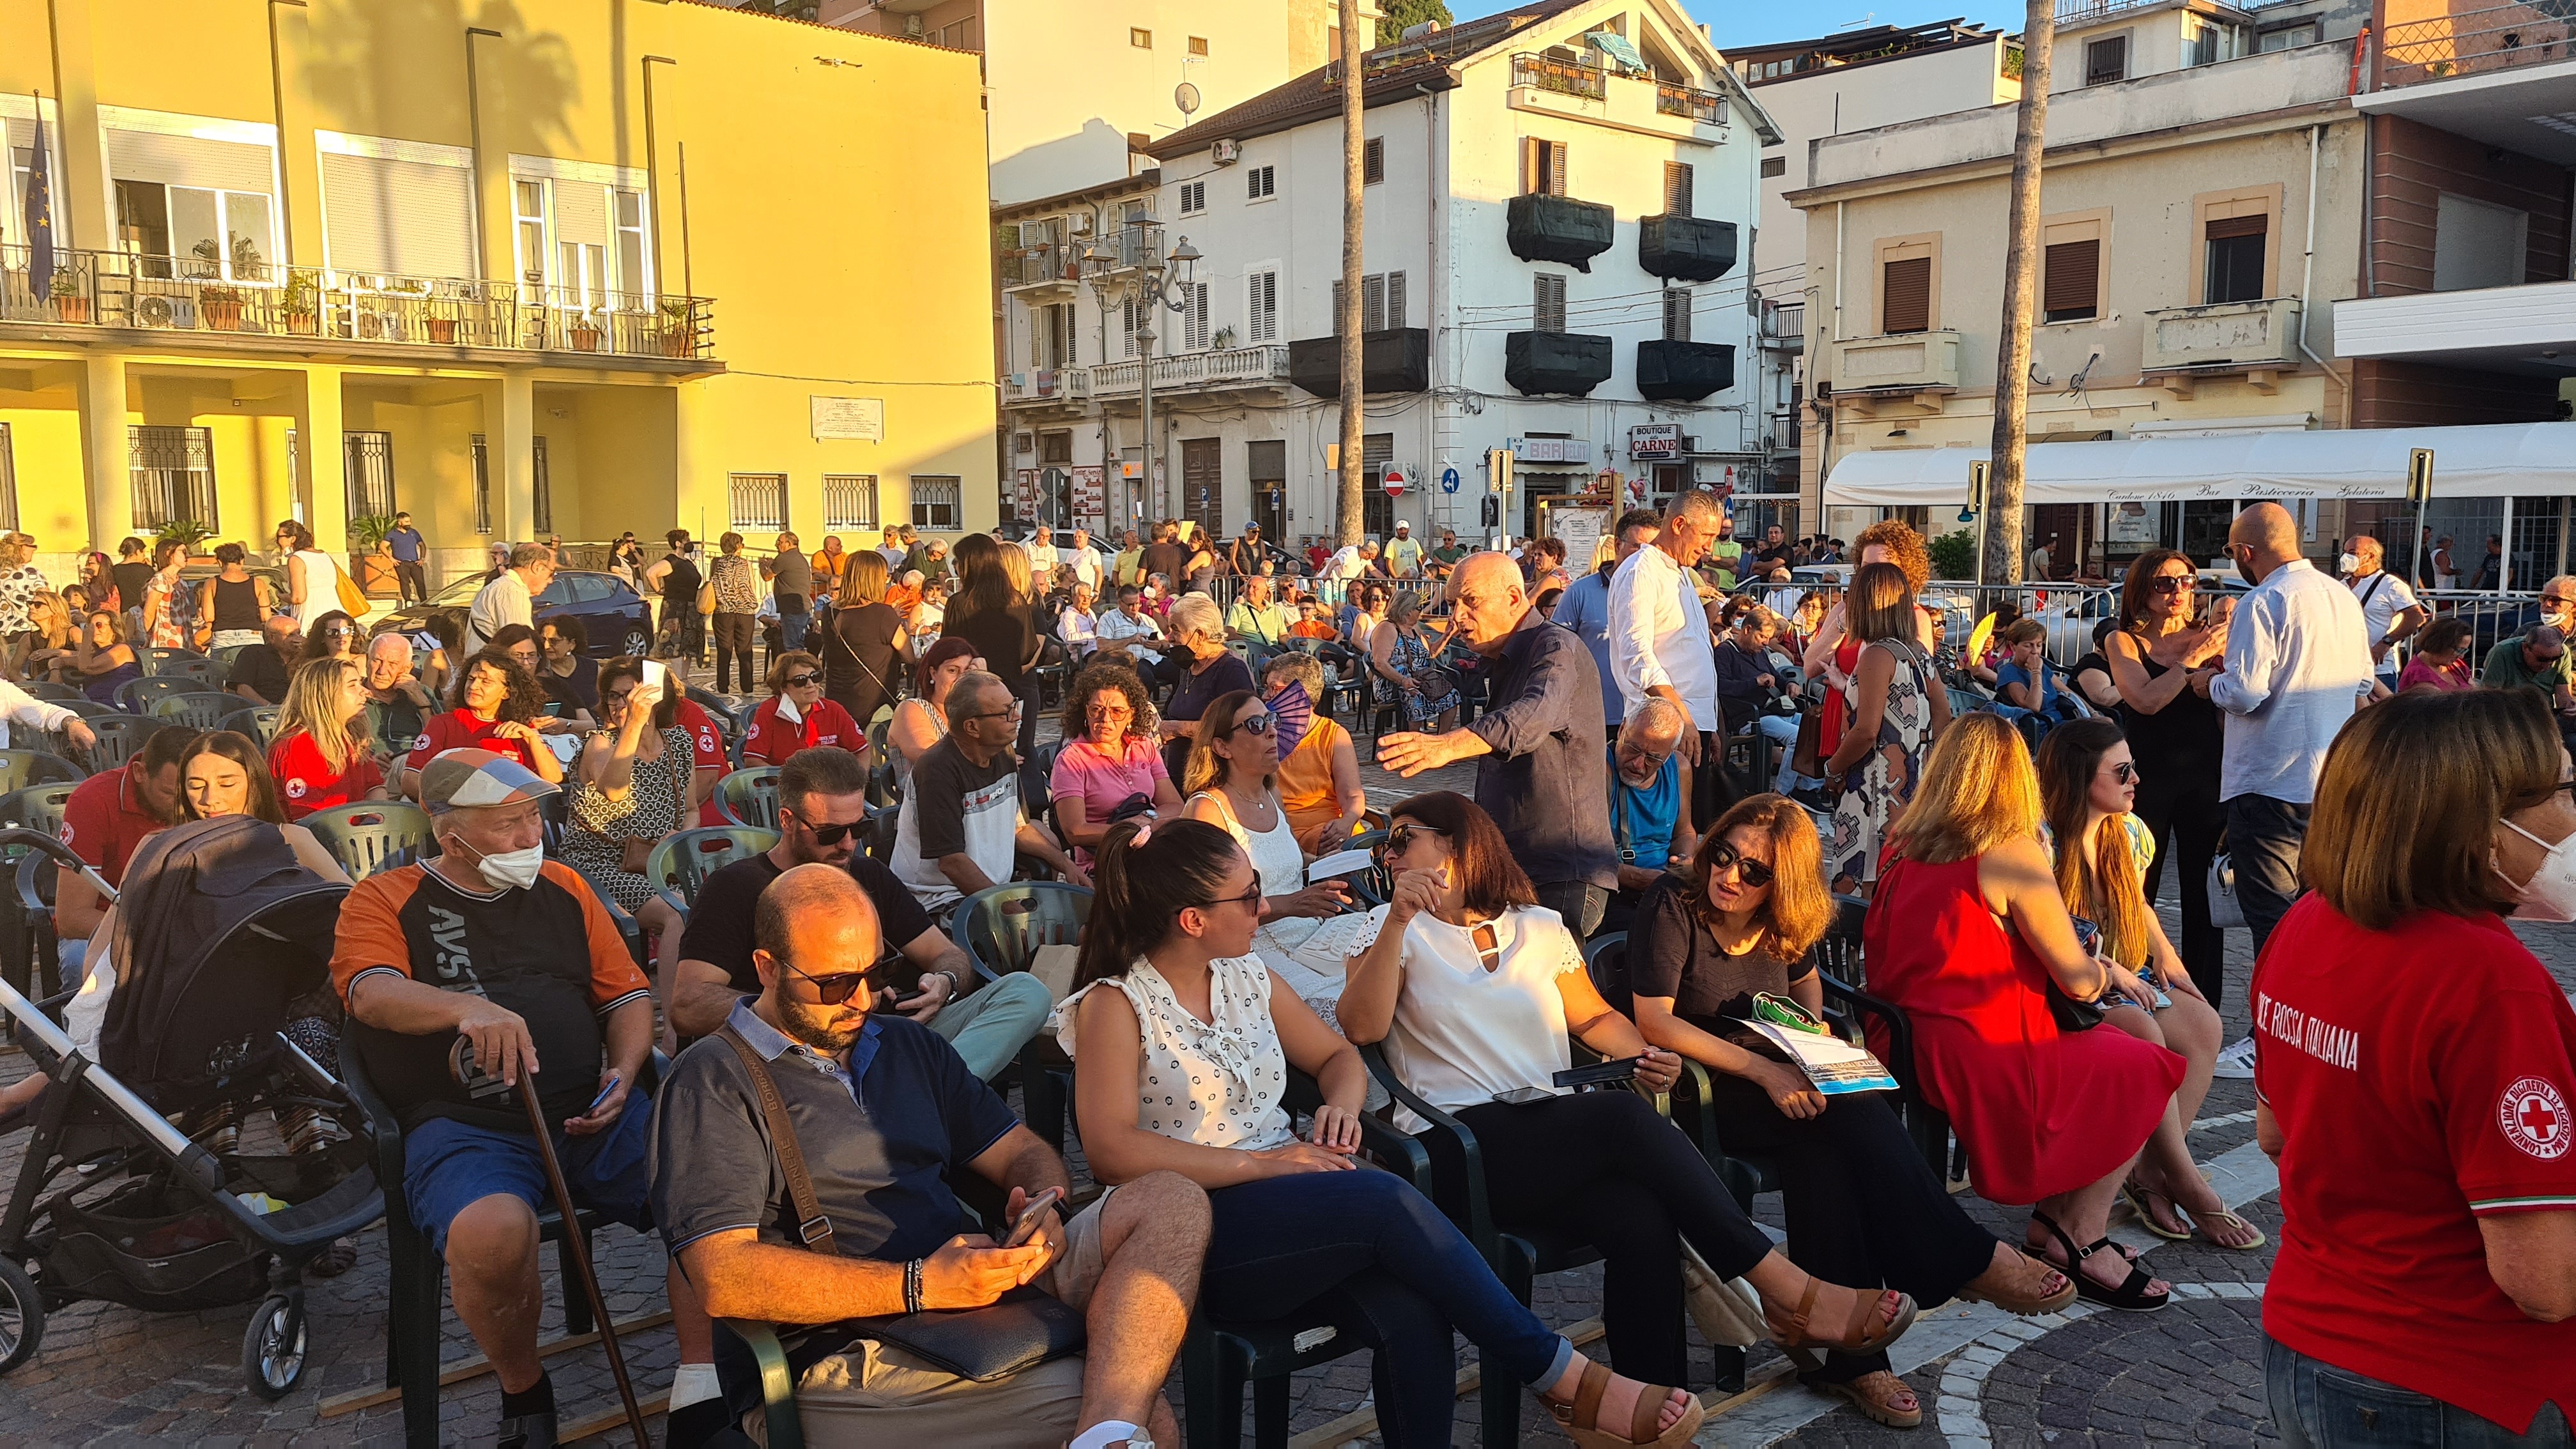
108, 1375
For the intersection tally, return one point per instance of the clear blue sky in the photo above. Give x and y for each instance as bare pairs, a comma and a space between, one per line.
1738, 22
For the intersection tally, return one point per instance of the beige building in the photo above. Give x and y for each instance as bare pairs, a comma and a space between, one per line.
2202, 210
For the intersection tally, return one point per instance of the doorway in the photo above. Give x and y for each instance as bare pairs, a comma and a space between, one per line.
1203, 484
1267, 464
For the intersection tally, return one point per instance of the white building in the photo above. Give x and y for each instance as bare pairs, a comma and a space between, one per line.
1559, 202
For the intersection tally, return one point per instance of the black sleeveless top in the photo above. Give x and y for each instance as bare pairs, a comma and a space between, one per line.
2186, 735
681, 583
236, 603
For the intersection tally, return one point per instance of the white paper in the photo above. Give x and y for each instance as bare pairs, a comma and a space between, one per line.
1834, 1065
1341, 863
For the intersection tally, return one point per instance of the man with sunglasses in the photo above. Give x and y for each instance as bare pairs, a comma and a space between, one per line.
962, 826
822, 810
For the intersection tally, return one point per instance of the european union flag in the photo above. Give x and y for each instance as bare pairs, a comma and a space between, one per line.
40, 214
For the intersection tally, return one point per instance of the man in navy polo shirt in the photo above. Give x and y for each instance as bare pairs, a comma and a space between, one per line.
407, 545
886, 1116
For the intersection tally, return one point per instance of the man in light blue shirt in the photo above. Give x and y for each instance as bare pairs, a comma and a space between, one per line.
1585, 608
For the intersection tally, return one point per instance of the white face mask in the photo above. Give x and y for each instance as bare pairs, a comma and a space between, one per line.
511, 869
2550, 894
2349, 563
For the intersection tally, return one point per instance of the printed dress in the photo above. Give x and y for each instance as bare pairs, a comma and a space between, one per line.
1873, 792
1410, 660
595, 845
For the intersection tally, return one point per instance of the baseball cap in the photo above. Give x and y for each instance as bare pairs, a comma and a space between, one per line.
477, 779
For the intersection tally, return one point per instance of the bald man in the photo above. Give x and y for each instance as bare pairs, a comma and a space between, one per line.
886, 1117
2298, 664
1541, 734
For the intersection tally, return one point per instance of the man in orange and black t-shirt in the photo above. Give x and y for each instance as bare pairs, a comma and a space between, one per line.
488, 967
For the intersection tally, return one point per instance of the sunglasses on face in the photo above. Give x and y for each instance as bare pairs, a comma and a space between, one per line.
617, 696
2167, 584
1259, 724
827, 834
838, 987
800, 681
2559, 601
2547, 659
1399, 837
1752, 872
2126, 772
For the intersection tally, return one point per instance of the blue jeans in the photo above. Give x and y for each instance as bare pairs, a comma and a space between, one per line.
2263, 837
1782, 730
449, 1165
1381, 1263
2318, 1406
791, 628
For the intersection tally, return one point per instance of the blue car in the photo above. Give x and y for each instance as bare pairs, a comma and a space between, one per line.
614, 618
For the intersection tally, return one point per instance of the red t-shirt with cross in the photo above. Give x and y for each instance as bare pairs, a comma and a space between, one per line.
2422, 1078
709, 748
306, 782
772, 737
104, 820
462, 729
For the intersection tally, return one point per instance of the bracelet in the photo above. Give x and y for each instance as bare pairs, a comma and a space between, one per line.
912, 1286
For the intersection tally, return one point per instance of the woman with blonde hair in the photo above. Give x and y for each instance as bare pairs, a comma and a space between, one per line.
1401, 657
321, 755
1233, 761
1970, 937
863, 640
21, 583
1895, 704
1863, 1208
2102, 848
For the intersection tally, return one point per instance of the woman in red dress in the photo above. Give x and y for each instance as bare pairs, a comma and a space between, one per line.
1967, 933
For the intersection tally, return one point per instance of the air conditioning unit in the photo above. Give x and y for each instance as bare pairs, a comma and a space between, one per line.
1078, 224
1226, 153
1690, 443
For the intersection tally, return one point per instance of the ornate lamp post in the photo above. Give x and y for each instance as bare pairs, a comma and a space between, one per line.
1165, 280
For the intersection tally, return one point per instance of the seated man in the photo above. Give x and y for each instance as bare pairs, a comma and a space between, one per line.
259, 672
1254, 618
491, 950
961, 825
886, 1118
1748, 681
1129, 630
1650, 783
106, 818
822, 805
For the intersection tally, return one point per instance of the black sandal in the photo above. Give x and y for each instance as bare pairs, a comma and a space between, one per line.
2130, 1297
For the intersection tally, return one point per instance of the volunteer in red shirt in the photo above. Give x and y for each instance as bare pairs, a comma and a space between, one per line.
709, 743
796, 716
106, 818
494, 707
2414, 1069
322, 756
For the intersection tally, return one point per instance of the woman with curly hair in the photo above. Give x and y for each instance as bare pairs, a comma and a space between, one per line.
1109, 761
493, 706
1832, 651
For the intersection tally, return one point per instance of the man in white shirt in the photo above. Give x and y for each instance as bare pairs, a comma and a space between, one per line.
1126, 629
1660, 646
18, 708
1084, 559
509, 599
2298, 665
2388, 606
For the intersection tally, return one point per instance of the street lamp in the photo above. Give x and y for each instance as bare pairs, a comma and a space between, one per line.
1164, 280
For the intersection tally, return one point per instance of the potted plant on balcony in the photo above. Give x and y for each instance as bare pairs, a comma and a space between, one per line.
69, 304
221, 306
303, 303
679, 327
583, 333
369, 563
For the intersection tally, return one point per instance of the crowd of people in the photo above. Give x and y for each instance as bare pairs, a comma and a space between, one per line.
829, 1108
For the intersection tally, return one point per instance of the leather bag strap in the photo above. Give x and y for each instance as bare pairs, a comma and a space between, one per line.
812, 1226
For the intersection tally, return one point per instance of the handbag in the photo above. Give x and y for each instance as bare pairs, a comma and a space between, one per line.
353, 600
2226, 912
1806, 756
707, 597
1025, 1328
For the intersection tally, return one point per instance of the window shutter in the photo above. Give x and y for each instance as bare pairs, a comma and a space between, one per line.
188, 161
1906, 305
1556, 168
2255, 225
1337, 309
1070, 354
1395, 299
382, 214
1127, 324
2072, 282
1677, 314
1261, 306
1197, 340
1373, 163
1373, 304
1533, 167
1547, 303
1677, 188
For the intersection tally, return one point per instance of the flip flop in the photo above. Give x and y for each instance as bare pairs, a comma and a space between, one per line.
2200, 1230
2141, 1201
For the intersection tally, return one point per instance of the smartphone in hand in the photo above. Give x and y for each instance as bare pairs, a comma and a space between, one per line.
1026, 1227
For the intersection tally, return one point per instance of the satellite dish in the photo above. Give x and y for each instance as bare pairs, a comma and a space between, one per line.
1186, 96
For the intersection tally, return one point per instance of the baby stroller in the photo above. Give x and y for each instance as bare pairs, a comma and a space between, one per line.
115, 1202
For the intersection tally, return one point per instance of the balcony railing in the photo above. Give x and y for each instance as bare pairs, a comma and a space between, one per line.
2222, 334
1706, 108
1063, 385
1028, 266
1569, 78
1233, 367
2084, 12
184, 294
2474, 42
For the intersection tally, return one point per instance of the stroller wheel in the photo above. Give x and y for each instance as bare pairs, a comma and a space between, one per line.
273, 1346
22, 1316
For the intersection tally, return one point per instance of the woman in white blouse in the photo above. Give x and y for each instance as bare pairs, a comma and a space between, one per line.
1478, 992
1185, 1042
1233, 759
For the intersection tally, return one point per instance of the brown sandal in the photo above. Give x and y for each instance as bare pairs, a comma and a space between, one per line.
1581, 1419
1862, 1335
1874, 1394
2028, 1305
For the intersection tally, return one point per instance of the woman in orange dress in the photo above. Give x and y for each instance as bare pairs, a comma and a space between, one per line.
1968, 934
1319, 776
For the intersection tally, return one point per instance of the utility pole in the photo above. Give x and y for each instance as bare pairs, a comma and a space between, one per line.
1350, 504
2003, 540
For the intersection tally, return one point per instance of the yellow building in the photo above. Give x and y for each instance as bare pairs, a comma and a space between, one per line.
516, 266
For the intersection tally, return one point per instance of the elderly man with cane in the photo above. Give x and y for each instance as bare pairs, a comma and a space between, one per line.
485, 968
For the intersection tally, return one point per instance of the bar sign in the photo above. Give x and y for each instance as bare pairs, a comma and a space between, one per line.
2419, 476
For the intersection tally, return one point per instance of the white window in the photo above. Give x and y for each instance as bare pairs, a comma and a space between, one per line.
634, 275
397, 208
1547, 302
1194, 317
757, 501
1261, 306
213, 234
1193, 197
935, 501
849, 500
1677, 310
2308, 33
528, 222
1260, 183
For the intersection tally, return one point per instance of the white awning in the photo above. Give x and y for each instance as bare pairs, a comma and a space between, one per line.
2468, 462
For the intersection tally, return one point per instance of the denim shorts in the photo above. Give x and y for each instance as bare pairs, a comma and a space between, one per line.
448, 1165
2318, 1406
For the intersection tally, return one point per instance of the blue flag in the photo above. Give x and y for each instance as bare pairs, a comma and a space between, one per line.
40, 214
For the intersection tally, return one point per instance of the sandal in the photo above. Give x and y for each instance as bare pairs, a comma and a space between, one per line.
1862, 1335
2142, 1201
2200, 1230
2130, 1297
1581, 1419
1874, 1394
2027, 1305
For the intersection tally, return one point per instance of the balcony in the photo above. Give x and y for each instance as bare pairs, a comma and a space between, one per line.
1919, 366
1705, 108
1784, 326
1563, 77
1068, 387
2479, 41
1041, 273
1569, 363
1395, 360
2252, 337
292, 309
1686, 248
1669, 371
1234, 367
2528, 330
1569, 89
1543, 228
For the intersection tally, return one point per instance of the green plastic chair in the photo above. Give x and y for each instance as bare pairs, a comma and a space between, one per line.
50, 692
1000, 929
372, 836
144, 695
119, 736
22, 768
750, 797
679, 865
37, 807
174, 664
200, 709
225, 656
259, 721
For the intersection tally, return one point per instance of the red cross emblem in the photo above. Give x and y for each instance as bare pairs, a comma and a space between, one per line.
2533, 1117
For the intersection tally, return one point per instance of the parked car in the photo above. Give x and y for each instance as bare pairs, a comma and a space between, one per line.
613, 616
